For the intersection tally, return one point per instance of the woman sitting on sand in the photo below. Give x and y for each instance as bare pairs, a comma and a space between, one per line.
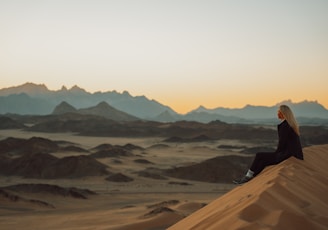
288, 145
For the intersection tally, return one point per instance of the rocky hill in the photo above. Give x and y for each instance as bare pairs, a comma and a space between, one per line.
8, 123
221, 169
46, 166
103, 109
31, 158
63, 108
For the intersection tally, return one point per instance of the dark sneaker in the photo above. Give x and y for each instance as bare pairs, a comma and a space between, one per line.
243, 180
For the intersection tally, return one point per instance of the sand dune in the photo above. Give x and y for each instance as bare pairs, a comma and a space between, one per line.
291, 195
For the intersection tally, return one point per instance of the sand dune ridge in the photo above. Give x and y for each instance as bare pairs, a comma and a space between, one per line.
291, 195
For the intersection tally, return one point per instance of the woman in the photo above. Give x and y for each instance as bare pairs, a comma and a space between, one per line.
288, 145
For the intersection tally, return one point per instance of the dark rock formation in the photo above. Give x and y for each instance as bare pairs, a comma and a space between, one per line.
42, 165
119, 177
8, 123
51, 189
221, 169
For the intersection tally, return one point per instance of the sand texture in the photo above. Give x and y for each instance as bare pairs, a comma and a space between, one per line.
58, 181
291, 195
71, 182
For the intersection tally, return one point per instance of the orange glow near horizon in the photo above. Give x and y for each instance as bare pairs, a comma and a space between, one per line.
185, 107
183, 103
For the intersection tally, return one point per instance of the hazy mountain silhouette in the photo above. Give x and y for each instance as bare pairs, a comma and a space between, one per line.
24, 104
307, 113
63, 108
28, 88
31, 98
102, 109
36, 99
302, 109
105, 110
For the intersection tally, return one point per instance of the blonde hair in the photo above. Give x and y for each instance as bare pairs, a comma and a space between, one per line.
289, 117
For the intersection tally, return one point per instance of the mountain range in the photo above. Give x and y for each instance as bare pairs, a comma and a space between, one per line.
37, 99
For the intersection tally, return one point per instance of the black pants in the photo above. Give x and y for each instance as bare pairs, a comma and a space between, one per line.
263, 159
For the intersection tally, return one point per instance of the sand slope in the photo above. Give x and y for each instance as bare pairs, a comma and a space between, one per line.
291, 195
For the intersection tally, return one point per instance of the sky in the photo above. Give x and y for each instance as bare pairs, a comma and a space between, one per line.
181, 53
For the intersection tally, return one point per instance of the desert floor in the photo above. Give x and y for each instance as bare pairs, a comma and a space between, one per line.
139, 204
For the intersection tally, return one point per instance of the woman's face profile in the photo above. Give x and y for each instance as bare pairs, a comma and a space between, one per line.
280, 115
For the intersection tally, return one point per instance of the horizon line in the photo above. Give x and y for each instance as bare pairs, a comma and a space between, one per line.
143, 95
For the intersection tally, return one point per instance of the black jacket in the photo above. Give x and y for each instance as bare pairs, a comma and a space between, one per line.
289, 143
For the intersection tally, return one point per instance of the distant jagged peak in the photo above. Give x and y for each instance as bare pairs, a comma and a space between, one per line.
103, 109
126, 93
63, 108
285, 102
63, 88
290, 102
77, 89
31, 85
103, 104
249, 106
65, 104
200, 108
166, 112
305, 103
28, 88
166, 116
